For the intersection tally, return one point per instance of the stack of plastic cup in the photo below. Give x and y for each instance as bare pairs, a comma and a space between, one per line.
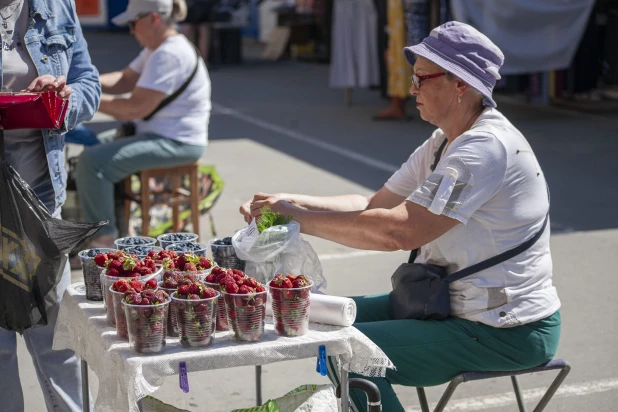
146, 327
291, 310
125, 242
222, 324
118, 311
168, 238
246, 314
224, 254
107, 281
196, 320
92, 272
172, 330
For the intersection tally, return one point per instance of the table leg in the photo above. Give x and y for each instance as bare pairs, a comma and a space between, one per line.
345, 388
85, 389
258, 385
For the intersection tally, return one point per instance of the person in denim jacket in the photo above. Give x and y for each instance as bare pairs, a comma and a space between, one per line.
43, 49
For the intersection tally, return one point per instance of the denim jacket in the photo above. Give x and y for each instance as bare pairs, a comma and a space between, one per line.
56, 45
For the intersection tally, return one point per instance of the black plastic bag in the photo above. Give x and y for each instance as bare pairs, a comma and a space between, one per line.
33, 251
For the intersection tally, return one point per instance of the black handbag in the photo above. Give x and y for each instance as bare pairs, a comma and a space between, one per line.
128, 128
421, 291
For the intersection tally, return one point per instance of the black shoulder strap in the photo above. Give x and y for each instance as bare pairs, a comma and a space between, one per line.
502, 257
177, 93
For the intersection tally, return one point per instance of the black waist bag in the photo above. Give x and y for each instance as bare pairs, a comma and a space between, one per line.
421, 291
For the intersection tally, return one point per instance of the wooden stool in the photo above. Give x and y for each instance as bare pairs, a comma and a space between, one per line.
177, 195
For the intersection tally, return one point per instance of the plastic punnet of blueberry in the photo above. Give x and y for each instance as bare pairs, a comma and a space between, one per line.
92, 252
178, 237
185, 247
226, 241
138, 250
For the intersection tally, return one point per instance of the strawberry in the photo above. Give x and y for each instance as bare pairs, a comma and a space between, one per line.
217, 270
194, 289
225, 279
291, 277
152, 254
161, 296
151, 284
245, 290
260, 288
286, 283
112, 273
277, 281
123, 287
251, 282
169, 274
189, 267
150, 294
208, 293
118, 254
170, 284
205, 263
133, 298
238, 272
100, 260
191, 276
193, 297
231, 287
114, 265
145, 302
144, 271
137, 285
183, 290
300, 282
182, 261
211, 278
184, 281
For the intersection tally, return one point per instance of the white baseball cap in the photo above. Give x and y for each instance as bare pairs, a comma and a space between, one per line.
137, 8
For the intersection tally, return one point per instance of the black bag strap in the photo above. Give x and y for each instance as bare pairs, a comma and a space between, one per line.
502, 257
177, 93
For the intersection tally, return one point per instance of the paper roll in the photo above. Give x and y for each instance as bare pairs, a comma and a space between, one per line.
326, 309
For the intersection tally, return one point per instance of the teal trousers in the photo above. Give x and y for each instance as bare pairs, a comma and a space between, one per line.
431, 352
101, 166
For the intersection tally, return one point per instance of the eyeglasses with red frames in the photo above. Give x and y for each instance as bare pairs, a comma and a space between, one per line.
417, 80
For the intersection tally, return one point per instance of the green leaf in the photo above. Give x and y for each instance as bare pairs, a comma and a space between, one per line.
270, 219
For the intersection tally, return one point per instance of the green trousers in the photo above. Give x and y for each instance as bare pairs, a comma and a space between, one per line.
430, 352
101, 166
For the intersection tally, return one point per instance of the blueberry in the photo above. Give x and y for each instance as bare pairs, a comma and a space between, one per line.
223, 242
133, 241
93, 252
187, 246
138, 250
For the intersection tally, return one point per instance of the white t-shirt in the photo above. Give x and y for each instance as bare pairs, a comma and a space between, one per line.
165, 69
488, 179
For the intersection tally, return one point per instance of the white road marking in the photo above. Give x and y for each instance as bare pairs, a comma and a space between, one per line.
480, 403
366, 160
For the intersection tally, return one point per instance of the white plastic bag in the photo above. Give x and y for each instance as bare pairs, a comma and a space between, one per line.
278, 249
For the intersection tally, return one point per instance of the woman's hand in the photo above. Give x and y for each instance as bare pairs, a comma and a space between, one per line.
48, 82
253, 208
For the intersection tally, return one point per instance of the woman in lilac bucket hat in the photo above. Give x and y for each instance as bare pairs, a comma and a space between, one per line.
474, 190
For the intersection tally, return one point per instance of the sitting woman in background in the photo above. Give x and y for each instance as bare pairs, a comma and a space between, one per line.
175, 135
472, 191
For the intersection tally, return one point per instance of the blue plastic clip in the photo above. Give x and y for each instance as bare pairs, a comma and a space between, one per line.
321, 365
184, 377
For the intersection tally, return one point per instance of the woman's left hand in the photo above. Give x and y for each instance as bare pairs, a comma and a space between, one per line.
275, 203
48, 82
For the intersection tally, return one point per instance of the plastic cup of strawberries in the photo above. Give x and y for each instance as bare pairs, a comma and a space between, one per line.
118, 290
216, 280
92, 270
291, 298
171, 280
195, 308
119, 265
145, 315
245, 304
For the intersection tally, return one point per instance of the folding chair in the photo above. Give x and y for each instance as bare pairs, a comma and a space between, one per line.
560, 364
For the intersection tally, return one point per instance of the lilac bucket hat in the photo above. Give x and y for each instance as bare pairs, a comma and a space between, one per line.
464, 51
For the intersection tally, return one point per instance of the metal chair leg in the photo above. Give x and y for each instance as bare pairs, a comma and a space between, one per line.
422, 399
520, 399
553, 388
448, 393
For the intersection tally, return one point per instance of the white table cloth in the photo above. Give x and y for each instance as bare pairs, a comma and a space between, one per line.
126, 377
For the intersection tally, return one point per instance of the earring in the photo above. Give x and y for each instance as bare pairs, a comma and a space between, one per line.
458, 99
